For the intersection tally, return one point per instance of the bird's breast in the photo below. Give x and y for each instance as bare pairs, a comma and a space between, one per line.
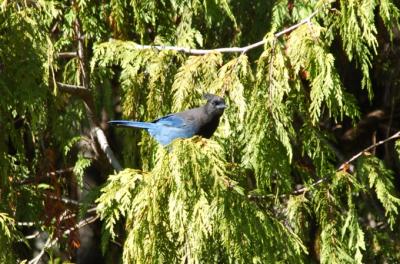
208, 128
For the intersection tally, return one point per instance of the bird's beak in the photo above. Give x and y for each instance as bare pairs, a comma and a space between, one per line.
222, 106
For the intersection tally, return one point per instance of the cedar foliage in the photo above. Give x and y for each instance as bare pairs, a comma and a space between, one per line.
297, 110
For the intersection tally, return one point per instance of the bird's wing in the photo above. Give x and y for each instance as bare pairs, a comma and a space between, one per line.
171, 120
172, 126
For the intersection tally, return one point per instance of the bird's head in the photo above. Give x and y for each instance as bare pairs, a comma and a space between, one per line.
215, 104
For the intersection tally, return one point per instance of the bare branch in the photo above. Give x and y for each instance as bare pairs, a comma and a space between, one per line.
231, 49
305, 189
60, 171
84, 92
101, 137
303, 21
348, 162
67, 55
33, 236
65, 200
52, 241
27, 223
74, 90
394, 136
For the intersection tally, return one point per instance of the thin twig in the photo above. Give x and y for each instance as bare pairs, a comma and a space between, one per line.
348, 162
67, 55
231, 49
27, 223
48, 244
33, 236
52, 241
60, 171
394, 136
65, 200
36, 233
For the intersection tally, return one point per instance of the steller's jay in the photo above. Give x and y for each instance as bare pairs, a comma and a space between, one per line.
202, 121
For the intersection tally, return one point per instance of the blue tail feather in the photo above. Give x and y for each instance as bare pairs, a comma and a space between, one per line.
126, 123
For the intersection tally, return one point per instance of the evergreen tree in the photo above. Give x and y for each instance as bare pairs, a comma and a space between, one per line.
302, 169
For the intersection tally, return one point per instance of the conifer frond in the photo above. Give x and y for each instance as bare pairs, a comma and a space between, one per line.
358, 30
224, 200
318, 63
332, 247
381, 180
7, 226
79, 169
232, 79
193, 79
269, 119
298, 213
316, 148
116, 197
8, 234
181, 206
355, 235
390, 15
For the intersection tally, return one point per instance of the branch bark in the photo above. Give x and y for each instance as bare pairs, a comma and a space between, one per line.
101, 137
230, 49
77, 90
84, 92
67, 55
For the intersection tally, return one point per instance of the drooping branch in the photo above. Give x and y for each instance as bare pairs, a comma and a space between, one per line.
230, 49
86, 96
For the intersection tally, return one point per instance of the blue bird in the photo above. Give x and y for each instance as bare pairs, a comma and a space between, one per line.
201, 121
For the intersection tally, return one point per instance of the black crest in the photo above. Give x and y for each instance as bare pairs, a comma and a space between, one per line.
209, 96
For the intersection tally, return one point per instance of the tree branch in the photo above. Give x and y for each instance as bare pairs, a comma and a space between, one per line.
394, 136
52, 241
67, 55
101, 137
84, 92
231, 49
65, 200
346, 164
74, 90
343, 166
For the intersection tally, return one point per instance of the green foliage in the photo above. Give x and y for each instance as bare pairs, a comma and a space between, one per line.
390, 15
341, 236
176, 210
79, 169
324, 80
198, 71
358, 26
8, 234
381, 181
224, 200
